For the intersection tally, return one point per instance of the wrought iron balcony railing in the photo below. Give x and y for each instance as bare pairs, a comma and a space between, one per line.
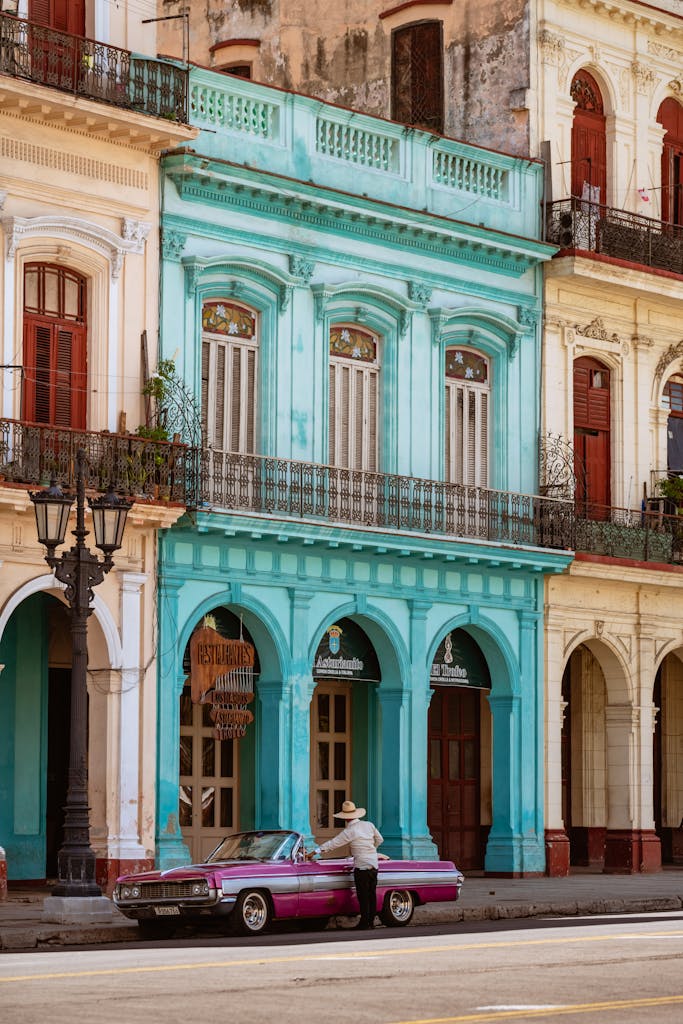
31, 453
281, 487
91, 69
577, 224
644, 535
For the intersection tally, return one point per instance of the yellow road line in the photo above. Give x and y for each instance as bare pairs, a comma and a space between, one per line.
550, 1011
353, 955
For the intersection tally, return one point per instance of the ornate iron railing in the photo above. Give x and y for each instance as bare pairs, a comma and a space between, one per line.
644, 535
31, 453
91, 69
579, 224
252, 483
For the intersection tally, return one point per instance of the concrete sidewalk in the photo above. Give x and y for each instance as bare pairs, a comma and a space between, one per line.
582, 893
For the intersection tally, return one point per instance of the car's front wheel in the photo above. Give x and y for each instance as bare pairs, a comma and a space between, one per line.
398, 908
252, 913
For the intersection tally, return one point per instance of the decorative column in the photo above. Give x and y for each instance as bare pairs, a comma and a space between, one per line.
296, 780
273, 743
557, 850
629, 849
171, 850
417, 840
129, 850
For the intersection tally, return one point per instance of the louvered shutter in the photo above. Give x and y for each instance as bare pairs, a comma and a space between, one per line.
417, 75
353, 409
229, 375
55, 375
467, 433
39, 12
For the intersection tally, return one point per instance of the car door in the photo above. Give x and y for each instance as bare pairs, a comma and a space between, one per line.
326, 888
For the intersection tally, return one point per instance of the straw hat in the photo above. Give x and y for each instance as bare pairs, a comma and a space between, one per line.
349, 811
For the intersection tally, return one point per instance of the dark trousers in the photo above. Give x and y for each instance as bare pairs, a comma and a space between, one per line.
366, 891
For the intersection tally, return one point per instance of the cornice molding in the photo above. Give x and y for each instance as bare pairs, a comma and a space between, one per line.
276, 281
375, 224
83, 232
509, 331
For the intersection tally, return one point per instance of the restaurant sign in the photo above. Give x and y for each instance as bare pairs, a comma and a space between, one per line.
460, 662
345, 652
222, 674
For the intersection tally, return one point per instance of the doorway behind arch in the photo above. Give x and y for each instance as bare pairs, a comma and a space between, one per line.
35, 707
668, 758
459, 773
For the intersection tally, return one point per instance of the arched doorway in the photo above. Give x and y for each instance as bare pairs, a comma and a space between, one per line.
35, 704
592, 445
458, 783
589, 148
343, 723
668, 749
216, 783
670, 116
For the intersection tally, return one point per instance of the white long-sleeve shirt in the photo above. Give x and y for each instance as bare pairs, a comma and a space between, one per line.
363, 839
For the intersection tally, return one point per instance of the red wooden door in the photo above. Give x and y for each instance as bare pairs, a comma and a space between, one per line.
670, 117
589, 147
453, 791
55, 60
592, 437
63, 15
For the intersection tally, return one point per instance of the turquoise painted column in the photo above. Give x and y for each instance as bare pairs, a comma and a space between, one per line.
396, 772
170, 847
299, 690
271, 762
418, 842
502, 849
532, 757
516, 844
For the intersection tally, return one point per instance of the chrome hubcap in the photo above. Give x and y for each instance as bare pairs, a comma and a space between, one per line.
400, 905
254, 911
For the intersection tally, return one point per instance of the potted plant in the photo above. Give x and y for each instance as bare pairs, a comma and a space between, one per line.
672, 489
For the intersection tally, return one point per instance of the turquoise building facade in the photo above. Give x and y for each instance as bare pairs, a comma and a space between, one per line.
356, 305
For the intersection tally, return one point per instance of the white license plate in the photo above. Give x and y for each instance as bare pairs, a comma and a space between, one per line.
166, 911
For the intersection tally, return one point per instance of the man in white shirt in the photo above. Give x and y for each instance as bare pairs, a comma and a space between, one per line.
363, 839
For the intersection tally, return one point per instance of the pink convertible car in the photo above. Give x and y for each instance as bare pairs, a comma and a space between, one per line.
253, 878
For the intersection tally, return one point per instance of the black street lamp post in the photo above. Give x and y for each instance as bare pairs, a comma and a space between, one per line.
80, 570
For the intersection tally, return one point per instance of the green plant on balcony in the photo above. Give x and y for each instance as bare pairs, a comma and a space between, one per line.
672, 488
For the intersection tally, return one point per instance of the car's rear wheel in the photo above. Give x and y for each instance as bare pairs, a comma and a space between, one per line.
252, 913
398, 908
153, 929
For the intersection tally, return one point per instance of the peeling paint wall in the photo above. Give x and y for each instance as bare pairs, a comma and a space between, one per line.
342, 53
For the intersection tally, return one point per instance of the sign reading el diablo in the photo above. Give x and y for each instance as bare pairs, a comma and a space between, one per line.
223, 670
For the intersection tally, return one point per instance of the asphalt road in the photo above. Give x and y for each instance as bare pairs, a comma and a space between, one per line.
597, 969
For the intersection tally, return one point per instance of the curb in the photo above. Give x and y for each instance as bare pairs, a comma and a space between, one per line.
41, 936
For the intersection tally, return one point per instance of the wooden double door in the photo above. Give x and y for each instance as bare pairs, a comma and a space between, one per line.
454, 792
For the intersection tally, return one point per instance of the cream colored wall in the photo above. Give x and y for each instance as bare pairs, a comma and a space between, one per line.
629, 619
79, 187
635, 56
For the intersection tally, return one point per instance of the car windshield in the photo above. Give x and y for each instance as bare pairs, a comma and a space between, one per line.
255, 846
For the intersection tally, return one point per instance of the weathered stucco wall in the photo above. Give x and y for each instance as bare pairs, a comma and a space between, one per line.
342, 53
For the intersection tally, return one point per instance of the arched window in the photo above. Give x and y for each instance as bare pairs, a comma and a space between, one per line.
468, 389
353, 397
592, 437
417, 75
589, 147
55, 381
229, 369
670, 116
672, 399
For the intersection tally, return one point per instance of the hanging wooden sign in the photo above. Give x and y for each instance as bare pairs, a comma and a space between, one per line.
222, 674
